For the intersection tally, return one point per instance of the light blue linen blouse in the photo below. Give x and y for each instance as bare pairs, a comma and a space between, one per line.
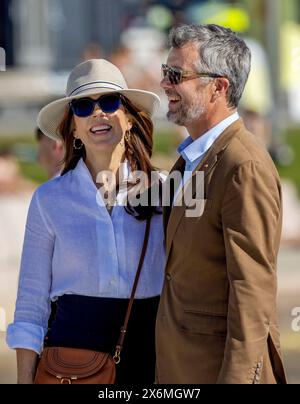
73, 246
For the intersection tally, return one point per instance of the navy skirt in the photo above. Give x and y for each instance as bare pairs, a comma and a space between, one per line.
95, 322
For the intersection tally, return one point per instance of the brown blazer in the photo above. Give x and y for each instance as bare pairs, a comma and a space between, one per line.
217, 315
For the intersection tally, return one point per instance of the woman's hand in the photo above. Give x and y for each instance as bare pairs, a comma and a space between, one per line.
26, 363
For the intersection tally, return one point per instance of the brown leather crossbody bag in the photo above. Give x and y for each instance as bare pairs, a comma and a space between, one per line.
59, 365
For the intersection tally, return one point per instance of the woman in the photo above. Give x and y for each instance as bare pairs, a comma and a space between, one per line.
81, 246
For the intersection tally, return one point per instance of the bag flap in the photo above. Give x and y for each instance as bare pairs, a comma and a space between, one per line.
73, 362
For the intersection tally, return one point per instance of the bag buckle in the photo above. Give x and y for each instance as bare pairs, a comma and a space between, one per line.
66, 380
117, 357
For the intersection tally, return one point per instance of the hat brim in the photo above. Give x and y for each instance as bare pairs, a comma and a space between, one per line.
52, 114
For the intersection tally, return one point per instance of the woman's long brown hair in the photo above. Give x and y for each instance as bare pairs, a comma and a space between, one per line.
138, 150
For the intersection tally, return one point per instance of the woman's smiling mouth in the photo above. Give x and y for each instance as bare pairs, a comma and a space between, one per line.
100, 129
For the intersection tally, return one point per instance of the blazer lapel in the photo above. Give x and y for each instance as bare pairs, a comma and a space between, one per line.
212, 157
178, 166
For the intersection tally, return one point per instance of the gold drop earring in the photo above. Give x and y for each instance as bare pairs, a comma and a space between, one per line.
127, 135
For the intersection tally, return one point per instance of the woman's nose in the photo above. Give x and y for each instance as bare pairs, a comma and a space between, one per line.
98, 110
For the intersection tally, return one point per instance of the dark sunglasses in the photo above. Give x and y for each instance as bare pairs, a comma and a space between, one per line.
176, 76
84, 107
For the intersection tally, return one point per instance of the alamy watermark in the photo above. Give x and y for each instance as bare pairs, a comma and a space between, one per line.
139, 190
2, 60
296, 321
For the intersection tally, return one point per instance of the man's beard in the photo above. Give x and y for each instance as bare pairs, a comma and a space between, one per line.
186, 114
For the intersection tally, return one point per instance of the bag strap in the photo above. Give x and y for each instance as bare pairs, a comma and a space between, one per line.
120, 343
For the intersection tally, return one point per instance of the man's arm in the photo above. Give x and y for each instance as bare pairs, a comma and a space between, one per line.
251, 216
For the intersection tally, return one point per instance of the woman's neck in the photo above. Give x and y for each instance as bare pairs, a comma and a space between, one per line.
97, 162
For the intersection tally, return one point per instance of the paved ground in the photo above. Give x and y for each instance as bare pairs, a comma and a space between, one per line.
12, 221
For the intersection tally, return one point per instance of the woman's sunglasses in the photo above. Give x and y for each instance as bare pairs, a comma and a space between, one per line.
84, 107
176, 76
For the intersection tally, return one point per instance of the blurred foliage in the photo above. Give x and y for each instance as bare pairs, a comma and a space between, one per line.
33, 171
165, 144
24, 148
7, 143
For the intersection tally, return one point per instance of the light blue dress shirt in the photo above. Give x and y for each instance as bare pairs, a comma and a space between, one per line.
73, 246
193, 151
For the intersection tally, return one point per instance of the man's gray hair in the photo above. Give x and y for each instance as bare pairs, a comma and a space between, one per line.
221, 51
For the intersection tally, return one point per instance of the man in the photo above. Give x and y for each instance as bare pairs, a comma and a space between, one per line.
50, 154
217, 316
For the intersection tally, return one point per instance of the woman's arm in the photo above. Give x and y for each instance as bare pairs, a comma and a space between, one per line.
26, 362
27, 332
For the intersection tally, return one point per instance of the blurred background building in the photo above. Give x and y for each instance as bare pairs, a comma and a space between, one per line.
44, 39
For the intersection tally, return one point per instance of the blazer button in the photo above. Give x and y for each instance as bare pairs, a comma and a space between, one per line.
168, 277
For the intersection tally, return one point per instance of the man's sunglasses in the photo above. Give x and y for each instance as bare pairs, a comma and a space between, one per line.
176, 76
84, 107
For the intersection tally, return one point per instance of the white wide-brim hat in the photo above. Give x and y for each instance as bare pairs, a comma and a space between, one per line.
92, 77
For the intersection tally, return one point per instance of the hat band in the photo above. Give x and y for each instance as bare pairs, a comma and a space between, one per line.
95, 84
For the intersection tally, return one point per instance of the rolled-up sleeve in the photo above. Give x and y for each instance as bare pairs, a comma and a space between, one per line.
33, 300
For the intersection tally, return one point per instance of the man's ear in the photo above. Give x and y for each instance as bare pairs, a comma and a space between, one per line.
221, 87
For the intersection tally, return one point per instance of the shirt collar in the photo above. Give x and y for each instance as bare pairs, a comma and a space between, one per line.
191, 149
